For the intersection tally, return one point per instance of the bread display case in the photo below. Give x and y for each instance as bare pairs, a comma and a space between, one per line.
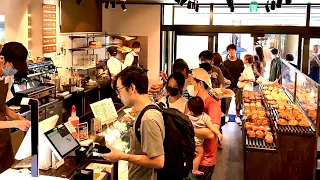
291, 109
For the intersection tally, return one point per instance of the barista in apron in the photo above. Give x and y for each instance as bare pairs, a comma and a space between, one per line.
132, 58
15, 55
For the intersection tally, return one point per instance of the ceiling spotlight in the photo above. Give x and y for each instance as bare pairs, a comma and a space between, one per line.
279, 3
273, 5
197, 7
182, 2
123, 6
267, 7
113, 4
230, 3
177, 1
189, 5
232, 9
106, 4
79, 1
288, 2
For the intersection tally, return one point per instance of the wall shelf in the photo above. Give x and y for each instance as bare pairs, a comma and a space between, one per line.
92, 48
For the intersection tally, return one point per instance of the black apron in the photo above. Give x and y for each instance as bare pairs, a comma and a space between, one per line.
135, 60
6, 150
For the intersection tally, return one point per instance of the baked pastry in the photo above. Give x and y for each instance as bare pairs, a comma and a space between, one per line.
95, 44
251, 134
133, 112
265, 122
293, 123
261, 128
262, 113
282, 122
255, 128
269, 138
259, 134
290, 117
304, 123
296, 112
267, 129
248, 126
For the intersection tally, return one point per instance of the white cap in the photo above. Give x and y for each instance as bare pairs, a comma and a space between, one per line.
202, 75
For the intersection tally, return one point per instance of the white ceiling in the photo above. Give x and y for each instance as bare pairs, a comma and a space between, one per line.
220, 1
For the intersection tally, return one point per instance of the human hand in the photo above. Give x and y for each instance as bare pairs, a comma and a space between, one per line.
115, 154
220, 136
164, 76
23, 125
226, 81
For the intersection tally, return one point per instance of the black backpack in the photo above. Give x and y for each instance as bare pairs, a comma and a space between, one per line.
179, 144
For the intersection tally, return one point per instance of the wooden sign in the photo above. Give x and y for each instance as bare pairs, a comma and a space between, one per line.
47, 41
49, 7
49, 24
49, 32
49, 49
49, 16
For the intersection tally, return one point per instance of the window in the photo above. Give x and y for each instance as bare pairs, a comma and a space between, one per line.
315, 16
189, 48
286, 16
185, 16
2, 29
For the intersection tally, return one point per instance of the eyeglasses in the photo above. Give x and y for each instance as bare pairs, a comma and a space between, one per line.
118, 90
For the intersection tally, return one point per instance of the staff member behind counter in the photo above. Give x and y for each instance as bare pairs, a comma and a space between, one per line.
15, 56
132, 58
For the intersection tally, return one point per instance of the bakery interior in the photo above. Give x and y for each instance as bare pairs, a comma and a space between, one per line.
67, 42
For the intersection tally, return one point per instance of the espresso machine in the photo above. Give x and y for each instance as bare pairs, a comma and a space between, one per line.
35, 85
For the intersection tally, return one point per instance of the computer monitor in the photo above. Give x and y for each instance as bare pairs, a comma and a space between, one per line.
45, 154
61, 141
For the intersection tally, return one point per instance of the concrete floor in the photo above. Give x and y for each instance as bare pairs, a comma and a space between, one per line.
230, 160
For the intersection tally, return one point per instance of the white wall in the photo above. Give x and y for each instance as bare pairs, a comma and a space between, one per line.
138, 20
16, 20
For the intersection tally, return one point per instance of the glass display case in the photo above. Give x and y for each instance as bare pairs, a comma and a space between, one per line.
304, 91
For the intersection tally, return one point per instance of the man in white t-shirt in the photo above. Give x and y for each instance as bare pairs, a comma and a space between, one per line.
115, 66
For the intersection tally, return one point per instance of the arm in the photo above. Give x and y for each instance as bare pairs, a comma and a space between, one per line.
226, 73
129, 59
13, 115
213, 127
7, 124
316, 58
205, 133
220, 78
279, 69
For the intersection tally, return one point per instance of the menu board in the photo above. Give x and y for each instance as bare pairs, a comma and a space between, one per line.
49, 26
105, 111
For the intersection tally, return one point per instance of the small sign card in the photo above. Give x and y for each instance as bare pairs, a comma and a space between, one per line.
83, 131
105, 111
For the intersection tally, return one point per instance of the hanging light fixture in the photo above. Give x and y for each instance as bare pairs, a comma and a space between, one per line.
279, 3
288, 2
267, 6
230, 3
182, 2
79, 1
197, 7
113, 4
106, 4
123, 6
232, 8
273, 5
189, 5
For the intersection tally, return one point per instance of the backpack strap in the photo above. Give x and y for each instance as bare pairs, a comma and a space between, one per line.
138, 121
167, 101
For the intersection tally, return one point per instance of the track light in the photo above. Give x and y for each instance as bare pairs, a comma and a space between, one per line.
79, 1
193, 5
273, 5
113, 4
106, 4
177, 1
123, 6
182, 2
267, 7
230, 3
99, 3
232, 9
288, 2
279, 3
189, 4
197, 7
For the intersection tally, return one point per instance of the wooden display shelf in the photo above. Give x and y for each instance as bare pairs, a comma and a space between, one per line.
91, 48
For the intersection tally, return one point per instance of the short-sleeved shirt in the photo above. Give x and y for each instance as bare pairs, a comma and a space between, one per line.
217, 77
152, 136
180, 104
115, 66
212, 108
235, 68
